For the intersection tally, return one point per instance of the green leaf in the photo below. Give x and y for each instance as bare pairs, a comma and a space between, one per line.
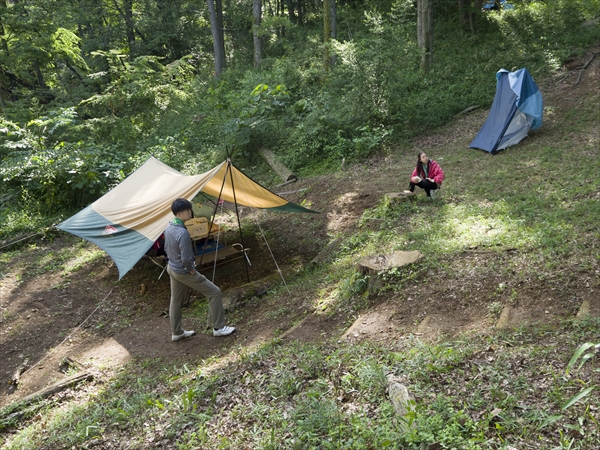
582, 348
582, 394
550, 420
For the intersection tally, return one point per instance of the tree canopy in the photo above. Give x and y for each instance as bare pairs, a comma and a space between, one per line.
89, 89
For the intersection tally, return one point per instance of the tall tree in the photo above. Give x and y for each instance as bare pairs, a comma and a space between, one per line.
425, 32
257, 14
467, 9
217, 34
326, 34
291, 13
333, 15
300, 12
126, 12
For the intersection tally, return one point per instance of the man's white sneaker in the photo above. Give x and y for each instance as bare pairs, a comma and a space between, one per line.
185, 334
225, 331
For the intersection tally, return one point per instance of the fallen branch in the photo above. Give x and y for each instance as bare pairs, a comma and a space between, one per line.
292, 192
326, 252
585, 67
468, 110
56, 387
284, 173
286, 183
19, 240
11, 418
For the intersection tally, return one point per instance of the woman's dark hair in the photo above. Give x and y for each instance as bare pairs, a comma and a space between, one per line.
180, 205
419, 166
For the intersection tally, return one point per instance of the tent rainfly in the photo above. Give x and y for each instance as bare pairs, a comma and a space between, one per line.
516, 109
127, 220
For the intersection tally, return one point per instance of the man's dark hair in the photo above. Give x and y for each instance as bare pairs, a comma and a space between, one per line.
180, 205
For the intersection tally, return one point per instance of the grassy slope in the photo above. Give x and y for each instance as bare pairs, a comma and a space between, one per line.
494, 390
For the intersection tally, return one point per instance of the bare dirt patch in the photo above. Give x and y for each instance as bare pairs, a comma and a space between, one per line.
42, 315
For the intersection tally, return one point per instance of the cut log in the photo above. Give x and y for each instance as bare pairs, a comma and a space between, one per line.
371, 266
284, 173
397, 197
374, 264
232, 297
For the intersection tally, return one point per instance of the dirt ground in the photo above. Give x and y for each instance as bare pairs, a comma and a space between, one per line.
102, 323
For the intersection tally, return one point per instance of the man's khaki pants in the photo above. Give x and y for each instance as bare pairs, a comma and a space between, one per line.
198, 282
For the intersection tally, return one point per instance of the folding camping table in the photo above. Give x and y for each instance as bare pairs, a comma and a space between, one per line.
209, 253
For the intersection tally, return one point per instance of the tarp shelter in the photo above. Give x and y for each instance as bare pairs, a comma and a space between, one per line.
127, 220
516, 109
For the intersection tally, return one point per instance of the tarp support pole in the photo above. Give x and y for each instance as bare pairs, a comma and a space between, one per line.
238, 217
212, 220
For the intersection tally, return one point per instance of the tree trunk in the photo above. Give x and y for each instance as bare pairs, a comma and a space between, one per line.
218, 44
291, 13
128, 7
40, 77
127, 14
462, 11
220, 27
257, 14
326, 34
300, 12
284, 173
425, 32
333, 12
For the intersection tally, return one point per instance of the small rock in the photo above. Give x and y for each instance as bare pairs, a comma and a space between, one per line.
399, 396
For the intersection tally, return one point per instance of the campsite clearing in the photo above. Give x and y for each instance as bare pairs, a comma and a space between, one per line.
60, 295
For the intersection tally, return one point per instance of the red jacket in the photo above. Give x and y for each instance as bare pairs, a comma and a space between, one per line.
435, 172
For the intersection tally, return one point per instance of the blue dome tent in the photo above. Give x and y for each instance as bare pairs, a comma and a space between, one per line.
517, 108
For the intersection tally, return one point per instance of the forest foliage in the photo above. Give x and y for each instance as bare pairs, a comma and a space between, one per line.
88, 90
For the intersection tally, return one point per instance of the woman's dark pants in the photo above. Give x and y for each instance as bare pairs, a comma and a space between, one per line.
424, 184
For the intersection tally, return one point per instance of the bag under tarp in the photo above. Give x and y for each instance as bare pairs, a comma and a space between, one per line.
127, 220
517, 108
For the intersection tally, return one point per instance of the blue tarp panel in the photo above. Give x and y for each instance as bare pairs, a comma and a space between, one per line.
517, 107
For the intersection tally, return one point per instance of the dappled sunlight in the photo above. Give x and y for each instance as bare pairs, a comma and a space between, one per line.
83, 257
345, 211
325, 300
107, 355
489, 224
466, 226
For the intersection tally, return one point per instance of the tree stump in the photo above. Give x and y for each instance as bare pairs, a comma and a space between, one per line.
397, 197
379, 263
375, 264
284, 173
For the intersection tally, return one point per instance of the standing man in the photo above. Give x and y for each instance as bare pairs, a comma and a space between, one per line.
182, 270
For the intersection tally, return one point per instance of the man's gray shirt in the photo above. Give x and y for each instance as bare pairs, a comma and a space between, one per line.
179, 249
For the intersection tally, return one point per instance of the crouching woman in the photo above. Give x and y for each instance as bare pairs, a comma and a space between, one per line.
428, 175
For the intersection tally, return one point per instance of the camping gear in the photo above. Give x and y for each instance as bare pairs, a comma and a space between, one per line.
517, 108
202, 210
495, 5
197, 227
127, 220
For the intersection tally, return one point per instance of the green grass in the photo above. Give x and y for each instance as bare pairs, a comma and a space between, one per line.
482, 392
